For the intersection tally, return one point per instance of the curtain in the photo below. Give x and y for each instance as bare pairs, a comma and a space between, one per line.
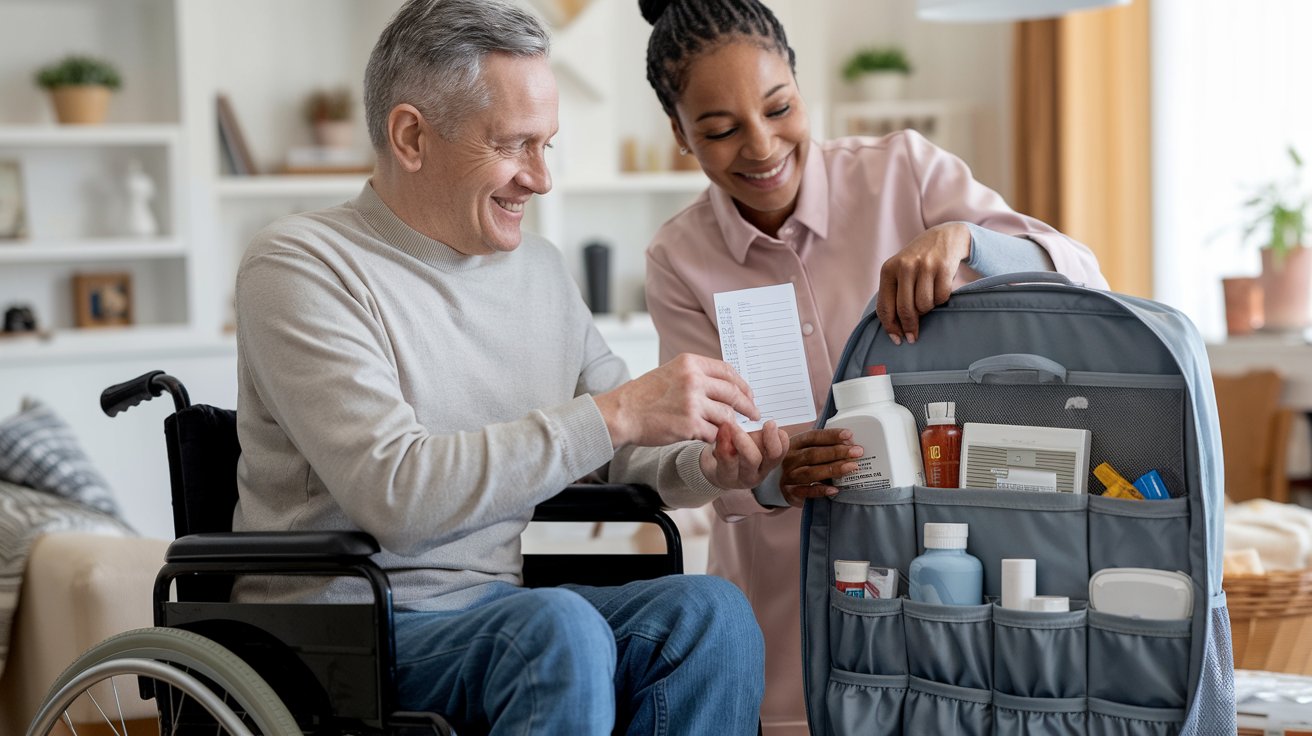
1081, 97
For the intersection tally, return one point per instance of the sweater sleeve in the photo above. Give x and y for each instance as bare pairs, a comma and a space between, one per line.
674, 470
950, 193
318, 360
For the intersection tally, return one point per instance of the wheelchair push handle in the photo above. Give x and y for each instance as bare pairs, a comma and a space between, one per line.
123, 396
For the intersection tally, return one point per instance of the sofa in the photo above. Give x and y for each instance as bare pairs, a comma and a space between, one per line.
78, 589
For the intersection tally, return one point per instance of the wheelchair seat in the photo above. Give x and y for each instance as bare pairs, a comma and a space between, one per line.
293, 668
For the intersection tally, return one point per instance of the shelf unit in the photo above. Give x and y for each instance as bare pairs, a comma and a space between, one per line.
178, 55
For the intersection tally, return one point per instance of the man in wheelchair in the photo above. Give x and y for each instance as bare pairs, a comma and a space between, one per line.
412, 365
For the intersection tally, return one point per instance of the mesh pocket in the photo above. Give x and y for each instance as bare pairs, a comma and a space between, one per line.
1213, 709
1134, 429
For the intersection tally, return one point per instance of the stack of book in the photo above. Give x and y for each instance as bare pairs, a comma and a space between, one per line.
327, 160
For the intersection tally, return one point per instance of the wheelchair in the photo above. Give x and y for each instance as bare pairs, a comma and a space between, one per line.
212, 666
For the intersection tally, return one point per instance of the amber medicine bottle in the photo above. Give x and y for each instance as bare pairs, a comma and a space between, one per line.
940, 445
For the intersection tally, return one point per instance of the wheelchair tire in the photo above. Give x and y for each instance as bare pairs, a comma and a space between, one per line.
176, 657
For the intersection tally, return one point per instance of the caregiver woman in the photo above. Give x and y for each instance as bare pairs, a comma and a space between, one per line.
839, 220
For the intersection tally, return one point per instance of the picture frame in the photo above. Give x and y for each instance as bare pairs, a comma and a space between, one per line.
102, 299
13, 207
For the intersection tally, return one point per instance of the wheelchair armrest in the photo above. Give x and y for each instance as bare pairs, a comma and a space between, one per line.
601, 502
271, 546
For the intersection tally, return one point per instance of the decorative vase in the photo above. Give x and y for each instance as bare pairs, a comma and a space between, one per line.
880, 86
1243, 305
1285, 284
81, 104
334, 133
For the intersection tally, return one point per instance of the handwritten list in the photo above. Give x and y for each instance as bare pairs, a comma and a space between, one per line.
761, 337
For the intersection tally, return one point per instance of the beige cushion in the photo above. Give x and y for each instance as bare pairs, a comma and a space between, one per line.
78, 590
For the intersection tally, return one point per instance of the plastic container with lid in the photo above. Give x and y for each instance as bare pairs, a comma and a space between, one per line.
884, 429
940, 444
945, 573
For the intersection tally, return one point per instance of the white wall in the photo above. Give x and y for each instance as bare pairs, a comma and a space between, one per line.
128, 449
1230, 85
968, 62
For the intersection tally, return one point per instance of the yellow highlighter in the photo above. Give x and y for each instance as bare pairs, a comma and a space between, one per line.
1117, 487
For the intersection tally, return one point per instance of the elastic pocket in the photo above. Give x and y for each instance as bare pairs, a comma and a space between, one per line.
932, 707
865, 635
865, 704
1139, 662
1115, 719
952, 645
1038, 716
1130, 533
878, 526
1039, 655
1049, 527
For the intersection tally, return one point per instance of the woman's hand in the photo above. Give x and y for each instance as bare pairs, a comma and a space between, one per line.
741, 459
813, 458
919, 278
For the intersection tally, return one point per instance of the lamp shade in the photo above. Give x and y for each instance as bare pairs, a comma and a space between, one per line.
982, 11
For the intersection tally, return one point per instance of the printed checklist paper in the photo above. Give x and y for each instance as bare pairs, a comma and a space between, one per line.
761, 337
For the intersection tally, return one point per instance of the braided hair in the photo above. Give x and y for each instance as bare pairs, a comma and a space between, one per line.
683, 29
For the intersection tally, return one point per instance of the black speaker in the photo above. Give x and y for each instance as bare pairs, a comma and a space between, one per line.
596, 272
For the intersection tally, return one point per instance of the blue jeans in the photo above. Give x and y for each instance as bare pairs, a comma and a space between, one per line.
679, 655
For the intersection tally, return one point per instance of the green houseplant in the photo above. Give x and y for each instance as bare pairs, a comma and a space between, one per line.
881, 73
329, 114
80, 88
1278, 219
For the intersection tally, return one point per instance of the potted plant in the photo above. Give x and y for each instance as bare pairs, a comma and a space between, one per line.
329, 115
1278, 217
80, 87
880, 73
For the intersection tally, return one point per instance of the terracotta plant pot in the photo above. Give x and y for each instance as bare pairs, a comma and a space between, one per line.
81, 104
1243, 305
1285, 285
334, 133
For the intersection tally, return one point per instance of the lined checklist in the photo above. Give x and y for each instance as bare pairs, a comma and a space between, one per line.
761, 337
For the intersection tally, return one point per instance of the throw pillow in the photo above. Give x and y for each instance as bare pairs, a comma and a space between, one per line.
38, 450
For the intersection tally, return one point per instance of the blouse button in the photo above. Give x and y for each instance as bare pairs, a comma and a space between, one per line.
807, 328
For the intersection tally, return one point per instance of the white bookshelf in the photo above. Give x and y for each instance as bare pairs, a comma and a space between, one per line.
265, 186
95, 135
90, 250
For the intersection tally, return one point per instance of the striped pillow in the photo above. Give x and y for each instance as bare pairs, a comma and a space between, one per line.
38, 450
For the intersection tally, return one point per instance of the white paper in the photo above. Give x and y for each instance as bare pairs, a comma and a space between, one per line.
761, 337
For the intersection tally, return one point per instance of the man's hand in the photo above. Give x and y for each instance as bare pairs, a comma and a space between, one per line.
741, 459
689, 398
919, 278
813, 458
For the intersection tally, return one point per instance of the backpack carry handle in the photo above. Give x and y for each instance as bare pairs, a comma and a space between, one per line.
1017, 368
1022, 277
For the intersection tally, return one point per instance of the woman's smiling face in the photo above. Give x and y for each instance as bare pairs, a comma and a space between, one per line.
743, 118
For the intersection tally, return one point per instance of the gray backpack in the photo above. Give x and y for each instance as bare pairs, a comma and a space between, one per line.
1044, 353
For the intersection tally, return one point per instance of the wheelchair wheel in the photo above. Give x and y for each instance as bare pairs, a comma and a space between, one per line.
191, 677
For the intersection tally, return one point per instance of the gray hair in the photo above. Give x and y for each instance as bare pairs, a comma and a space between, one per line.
430, 56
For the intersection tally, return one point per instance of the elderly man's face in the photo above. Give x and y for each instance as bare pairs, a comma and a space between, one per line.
485, 175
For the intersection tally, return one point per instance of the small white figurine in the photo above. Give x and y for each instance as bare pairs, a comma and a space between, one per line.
140, 220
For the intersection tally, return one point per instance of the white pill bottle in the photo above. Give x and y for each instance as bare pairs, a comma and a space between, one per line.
885, 429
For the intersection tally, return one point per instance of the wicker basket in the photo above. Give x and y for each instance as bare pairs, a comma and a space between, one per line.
1271, 621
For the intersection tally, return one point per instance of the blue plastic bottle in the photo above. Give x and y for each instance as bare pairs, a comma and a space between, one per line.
945, 573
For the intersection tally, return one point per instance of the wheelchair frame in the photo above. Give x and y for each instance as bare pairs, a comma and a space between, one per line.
334, 644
